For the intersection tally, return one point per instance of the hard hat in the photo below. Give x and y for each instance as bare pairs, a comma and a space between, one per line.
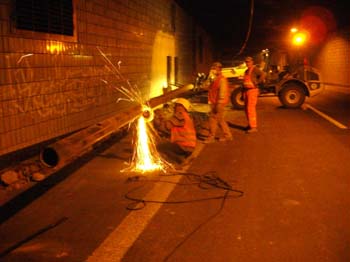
248, 59
216, 65
183, 101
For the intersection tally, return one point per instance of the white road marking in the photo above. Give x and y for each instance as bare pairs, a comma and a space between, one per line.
333, 121
115, 246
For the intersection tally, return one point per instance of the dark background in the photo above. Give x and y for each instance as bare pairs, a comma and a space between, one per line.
228, 22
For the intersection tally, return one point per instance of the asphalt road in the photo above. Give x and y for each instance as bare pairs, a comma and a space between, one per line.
281, 194
335, 102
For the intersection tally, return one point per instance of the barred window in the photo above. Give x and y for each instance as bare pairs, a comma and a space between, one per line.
48, 16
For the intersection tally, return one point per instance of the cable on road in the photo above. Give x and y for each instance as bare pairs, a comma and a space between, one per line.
206, 181
209, 180
198, 227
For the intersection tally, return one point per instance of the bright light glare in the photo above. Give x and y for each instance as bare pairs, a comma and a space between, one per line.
299, 39
55, 47
294, 30
145, 161
146, 157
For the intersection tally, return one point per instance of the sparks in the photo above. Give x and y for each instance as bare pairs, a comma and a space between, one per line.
145, 160
145, 157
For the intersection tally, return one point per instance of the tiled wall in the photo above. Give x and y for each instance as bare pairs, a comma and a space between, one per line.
333, 60
51, 85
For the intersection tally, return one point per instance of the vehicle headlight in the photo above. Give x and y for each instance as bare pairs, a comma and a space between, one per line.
314, 86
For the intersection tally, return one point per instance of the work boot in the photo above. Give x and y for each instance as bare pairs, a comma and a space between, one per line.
209, 140
252, 130
224, 139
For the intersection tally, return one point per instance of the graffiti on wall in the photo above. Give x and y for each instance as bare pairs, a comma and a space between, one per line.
56, 91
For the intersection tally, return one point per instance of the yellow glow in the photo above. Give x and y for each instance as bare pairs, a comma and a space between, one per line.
145, 159
163, 46
294, 30
299, 39
55, 47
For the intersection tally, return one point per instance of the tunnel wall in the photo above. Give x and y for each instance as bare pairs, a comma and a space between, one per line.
333, 60
54, 84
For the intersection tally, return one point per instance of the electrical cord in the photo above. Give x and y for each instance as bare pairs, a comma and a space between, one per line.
197, 228
249, 28
209, 180
206, 181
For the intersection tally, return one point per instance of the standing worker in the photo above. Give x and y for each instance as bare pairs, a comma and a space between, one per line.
252, 77
218, 98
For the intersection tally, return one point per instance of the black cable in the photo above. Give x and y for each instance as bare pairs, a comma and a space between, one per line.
249, 28
207, 181
199, 226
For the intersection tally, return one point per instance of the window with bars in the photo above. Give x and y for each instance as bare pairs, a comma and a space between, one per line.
48, 16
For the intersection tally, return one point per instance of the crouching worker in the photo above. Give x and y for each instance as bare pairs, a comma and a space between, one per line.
179, 131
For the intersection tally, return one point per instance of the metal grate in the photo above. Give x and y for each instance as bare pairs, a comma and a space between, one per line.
49, 16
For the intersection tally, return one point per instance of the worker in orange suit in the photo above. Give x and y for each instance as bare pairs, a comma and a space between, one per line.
181, 131
252, 77
218, 98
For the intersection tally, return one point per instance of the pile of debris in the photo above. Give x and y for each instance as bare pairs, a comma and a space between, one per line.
20, 177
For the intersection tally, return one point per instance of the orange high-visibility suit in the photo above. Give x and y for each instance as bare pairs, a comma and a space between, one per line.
185, 134
218, 98
251, 93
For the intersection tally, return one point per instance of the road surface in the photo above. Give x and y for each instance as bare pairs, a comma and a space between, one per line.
281, 194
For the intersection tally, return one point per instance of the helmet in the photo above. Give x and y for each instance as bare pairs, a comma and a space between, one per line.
216, 65
248, 59
183, 101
